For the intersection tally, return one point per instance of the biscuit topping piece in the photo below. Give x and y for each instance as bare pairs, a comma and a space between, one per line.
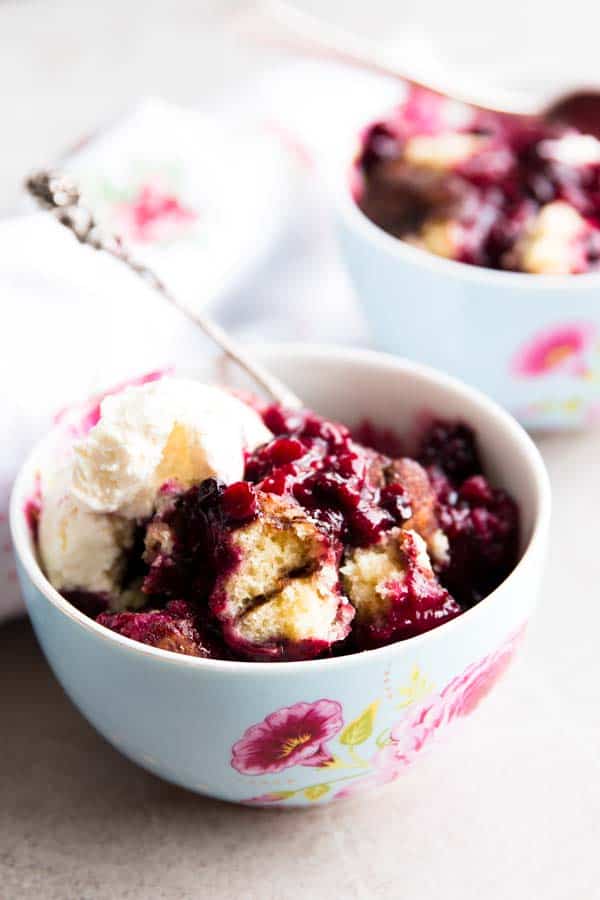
394, 589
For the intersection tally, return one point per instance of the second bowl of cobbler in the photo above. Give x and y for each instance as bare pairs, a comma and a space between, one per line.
473, 240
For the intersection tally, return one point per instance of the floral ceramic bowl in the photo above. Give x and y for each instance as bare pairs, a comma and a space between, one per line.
530, 341
300, 733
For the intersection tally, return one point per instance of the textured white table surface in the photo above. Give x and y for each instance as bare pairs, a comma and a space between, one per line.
510, 808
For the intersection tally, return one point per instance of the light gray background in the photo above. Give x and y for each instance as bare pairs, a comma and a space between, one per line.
511, 808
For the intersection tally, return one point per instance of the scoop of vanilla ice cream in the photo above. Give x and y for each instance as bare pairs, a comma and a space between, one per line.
172, 429
80, 549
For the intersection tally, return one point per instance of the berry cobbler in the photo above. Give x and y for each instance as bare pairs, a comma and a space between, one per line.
188, 519
483, 188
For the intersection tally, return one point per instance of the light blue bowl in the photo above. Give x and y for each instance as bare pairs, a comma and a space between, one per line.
530, 341
306, 732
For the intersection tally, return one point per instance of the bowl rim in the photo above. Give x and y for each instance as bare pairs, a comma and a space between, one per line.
25, 552
425, 259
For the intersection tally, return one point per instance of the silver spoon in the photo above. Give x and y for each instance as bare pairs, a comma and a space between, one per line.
59, 194
283, 23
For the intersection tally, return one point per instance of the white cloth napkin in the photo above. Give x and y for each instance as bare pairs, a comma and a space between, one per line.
77, 324
232, 208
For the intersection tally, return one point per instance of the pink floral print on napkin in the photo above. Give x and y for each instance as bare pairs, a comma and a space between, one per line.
153, 214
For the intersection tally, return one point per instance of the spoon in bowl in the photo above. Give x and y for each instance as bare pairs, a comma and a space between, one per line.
60, 195
283, 23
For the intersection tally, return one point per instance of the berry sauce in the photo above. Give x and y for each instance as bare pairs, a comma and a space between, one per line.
177, 627
318, 464
417, 604
481, 522
356, 495
494, 193
199, 521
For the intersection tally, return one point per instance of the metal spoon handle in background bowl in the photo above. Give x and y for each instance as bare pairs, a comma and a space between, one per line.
60, 195
280, 22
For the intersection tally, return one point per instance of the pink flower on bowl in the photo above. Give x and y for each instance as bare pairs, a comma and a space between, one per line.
465, 692
559, 349
459, 698
386, 768
292, 736
416, 731
153, 214
408, 738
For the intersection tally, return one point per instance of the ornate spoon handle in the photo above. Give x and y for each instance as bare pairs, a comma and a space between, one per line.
60, 195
